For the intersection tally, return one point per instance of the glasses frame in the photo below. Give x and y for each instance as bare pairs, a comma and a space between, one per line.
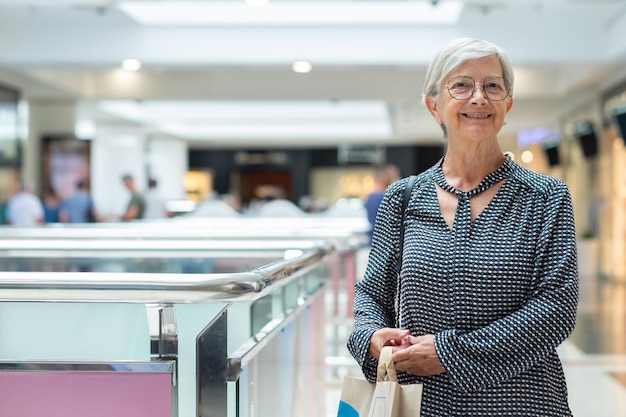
485, 94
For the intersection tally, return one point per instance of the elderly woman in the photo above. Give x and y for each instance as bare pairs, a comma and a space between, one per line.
488, 286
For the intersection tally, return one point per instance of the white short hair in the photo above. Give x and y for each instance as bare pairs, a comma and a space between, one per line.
456, 53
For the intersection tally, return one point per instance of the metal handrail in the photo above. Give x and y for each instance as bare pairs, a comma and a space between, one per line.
156, 288
173, 235
149, 248
241, 228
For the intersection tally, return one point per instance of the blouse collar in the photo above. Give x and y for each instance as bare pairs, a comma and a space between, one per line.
502, 173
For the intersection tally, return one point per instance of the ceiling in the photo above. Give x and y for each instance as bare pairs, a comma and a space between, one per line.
230, 83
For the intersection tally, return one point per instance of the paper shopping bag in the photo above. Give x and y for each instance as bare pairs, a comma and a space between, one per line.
385, 398
356, 397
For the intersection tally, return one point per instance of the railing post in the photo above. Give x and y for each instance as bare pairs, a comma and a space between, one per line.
211, 368
163, 331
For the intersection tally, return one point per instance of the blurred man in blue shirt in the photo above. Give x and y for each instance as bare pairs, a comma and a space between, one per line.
383, 176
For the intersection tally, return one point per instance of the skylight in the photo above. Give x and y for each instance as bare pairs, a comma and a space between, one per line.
292, 13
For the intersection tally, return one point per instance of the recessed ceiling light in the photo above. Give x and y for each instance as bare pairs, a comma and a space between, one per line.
85, 129
302, 67
257, 2
131, 64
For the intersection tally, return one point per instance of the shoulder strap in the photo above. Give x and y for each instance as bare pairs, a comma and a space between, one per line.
405, 203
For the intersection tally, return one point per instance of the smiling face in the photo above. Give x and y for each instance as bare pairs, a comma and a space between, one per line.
476, 118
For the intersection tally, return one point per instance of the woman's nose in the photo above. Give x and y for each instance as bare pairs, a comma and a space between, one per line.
478, 93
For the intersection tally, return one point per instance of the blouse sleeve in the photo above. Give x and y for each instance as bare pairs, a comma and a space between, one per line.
512, 345
374, 294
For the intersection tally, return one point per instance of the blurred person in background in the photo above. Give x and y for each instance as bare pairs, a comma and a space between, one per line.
136, 206
25, 209
3, 212
79, 207
264, 194
51, 206
155, 203
384, 176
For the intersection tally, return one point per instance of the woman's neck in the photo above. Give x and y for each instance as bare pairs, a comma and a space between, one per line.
464, 171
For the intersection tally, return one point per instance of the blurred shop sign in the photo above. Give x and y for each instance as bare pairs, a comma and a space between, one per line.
374, 155
261, 158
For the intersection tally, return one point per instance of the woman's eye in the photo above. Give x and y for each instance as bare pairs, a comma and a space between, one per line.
494, 86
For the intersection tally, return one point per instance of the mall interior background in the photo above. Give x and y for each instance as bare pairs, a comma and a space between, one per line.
59, 70
68, 110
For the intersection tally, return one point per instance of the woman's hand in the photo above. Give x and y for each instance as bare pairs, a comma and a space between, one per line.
417, 356
386, 337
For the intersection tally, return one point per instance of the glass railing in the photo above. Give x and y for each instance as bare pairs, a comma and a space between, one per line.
226, 315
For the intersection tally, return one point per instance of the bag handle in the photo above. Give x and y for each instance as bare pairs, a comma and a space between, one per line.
386, 369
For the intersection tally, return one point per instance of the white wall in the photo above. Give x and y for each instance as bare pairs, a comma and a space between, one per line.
53, 117
116, 152
167, 162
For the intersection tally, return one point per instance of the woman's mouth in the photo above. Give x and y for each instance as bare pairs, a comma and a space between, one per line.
477, 115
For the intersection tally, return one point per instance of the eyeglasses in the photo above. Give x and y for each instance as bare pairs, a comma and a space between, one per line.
462, 88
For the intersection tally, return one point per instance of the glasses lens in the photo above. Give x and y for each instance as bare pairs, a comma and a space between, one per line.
461, 88
495, 89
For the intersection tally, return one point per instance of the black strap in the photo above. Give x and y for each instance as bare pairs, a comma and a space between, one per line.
405, 203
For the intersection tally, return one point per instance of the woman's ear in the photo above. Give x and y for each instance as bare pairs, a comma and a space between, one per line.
509, 104
431, 105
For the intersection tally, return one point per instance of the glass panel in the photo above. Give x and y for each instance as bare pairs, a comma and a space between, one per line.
261, 313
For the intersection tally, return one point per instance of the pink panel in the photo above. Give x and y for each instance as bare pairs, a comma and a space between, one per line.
80, 394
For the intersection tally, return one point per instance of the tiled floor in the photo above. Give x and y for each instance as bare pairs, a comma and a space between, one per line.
594, 357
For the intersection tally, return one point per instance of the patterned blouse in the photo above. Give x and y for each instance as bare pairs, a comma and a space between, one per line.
499, 292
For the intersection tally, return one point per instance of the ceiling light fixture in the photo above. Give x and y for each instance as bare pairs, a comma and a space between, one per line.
259, 121
392, 12
257, 3
85, 129
302, 67
131, 64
